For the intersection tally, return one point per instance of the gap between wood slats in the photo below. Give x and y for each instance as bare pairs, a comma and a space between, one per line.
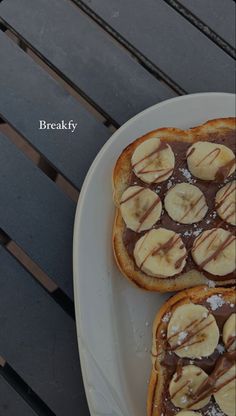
135, 53
43, 279
39, 161
211, 34
74, 90
23, 389
60, 78
199, 24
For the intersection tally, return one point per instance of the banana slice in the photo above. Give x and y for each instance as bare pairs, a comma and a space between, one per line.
183, 387
214, 251
187, 413
153, 161
229, 333
160, 253
209, 161
140, 208
192, 331
225, 203
185, 203
225, 397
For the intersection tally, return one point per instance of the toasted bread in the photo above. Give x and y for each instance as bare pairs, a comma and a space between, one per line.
212, 131
218, 301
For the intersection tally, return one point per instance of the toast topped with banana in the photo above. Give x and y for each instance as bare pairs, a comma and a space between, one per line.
175, 194
194, 355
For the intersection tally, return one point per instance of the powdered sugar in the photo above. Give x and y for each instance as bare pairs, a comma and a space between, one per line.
166, 317
197, 232
213, 214
220, 348
213, 411
215, 302
169, 184
185, 172
181, 337
157, 189
211, 283
187, 233
184, 399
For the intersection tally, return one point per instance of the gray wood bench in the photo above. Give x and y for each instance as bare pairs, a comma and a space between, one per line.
97, 62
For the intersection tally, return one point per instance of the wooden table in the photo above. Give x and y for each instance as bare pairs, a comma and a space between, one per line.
97, 62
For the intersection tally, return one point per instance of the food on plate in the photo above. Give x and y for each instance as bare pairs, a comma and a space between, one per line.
140, 208
175, 197
153, 161
210, 161
185, 203
193, 355
225, 203
160, 253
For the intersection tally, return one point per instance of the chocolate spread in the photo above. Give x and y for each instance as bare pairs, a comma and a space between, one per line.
211, 220
213, 365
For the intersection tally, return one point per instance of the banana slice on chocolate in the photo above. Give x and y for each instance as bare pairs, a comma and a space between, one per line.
225, 203
187, 413
192, 331
210, 161
160, 253
229, 333
140, 208
153, 161
214, 251
183, 387
225, 394
185, 203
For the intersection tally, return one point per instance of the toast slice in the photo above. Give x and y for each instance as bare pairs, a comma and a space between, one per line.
177, 353
215, 131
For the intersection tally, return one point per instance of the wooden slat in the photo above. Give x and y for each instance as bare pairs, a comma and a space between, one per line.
36, 214
171, 42
38, 339
11, 404
217, 14
28, 94
86, 55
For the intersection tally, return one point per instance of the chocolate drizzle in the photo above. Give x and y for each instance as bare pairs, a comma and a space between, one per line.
220, 248
166, 247
132, 196
161, 147
209, 189
214, 152
193, 205
212, 384
191, 331
215, 365
189, 153
223, 171
226, 194
148, 212
230, 342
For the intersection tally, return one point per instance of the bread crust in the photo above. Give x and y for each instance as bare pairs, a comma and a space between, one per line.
157, 379
121, 174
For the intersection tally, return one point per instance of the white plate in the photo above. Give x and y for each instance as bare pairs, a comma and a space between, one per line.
113, 317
